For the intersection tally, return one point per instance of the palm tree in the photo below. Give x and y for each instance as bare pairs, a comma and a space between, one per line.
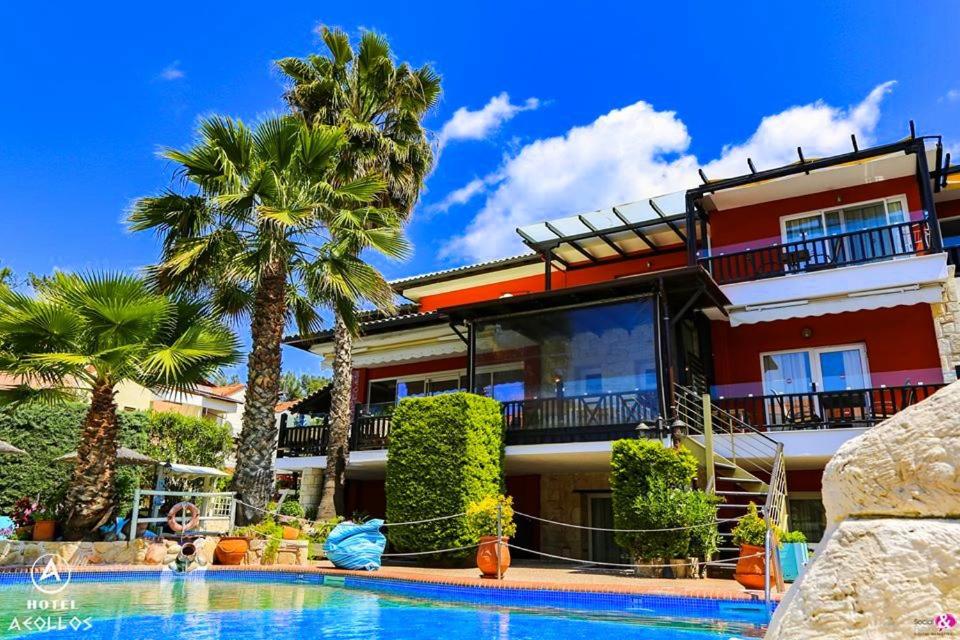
381, 106
265, 232
91, 333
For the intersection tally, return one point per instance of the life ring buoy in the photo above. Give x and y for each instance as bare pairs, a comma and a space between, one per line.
177, 508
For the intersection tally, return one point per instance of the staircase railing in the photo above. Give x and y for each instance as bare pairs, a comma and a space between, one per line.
746, 447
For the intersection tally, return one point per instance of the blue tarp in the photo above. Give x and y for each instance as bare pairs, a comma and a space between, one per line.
356, 546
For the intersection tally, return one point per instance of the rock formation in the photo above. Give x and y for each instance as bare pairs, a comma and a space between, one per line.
889, 564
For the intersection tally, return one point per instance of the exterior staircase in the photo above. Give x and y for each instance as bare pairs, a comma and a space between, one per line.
739, 463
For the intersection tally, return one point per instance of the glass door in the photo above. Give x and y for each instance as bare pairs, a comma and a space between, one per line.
602, 547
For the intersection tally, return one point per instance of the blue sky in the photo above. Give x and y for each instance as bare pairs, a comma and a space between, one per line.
548, 109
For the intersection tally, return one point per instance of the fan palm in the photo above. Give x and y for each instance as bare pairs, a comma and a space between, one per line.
89, 333
266, 232
380, 106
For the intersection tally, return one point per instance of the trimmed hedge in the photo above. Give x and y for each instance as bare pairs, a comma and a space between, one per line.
652, 489
445, 453
47, 432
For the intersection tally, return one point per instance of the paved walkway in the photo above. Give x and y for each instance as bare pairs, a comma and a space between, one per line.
533, 575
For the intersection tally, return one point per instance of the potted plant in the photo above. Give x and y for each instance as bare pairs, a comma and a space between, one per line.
44, 524
483, 517
750, 534
290, 517
794, 554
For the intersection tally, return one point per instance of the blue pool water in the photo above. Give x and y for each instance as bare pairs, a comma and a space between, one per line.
270, 607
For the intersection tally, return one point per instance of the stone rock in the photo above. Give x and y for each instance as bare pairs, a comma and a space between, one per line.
889, 563
884, 578
908, 465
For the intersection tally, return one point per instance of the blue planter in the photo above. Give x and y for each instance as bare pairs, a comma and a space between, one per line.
793, 556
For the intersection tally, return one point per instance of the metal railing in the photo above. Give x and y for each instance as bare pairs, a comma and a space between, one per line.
728, 437
826, 409
215, 508
813, 254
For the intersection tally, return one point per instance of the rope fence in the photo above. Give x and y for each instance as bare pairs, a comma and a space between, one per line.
629, 566
580, 526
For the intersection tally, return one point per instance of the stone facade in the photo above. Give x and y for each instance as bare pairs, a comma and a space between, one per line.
946, 323
311, 486
563, 498
889, 565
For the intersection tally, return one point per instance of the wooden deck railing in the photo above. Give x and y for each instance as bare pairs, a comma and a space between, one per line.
814, 254
826, 409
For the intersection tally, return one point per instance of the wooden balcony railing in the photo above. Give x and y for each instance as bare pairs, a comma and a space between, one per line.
826, 409
813, 254
603, 416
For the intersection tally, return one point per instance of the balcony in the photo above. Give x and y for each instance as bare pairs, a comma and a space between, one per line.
826, 409
584, 418
816, 254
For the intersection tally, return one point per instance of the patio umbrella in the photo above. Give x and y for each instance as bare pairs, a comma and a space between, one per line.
125, 456
6, 447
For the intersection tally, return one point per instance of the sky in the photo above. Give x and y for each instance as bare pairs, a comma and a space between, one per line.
548, 109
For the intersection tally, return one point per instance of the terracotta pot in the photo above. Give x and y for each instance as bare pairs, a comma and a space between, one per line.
44, 530
290, 533
231, 550
749, 570
487, 556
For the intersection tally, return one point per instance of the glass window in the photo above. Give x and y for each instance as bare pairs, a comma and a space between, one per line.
804, 228
444, 386
411, 388
842, 370
787, 373
576, 351
507, 385
808, 515
382, 391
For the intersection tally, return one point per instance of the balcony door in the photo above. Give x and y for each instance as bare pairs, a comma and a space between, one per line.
793, 378
810, 229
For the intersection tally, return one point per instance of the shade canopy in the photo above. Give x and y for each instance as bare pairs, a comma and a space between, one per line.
6, 447
125, 456
192, 471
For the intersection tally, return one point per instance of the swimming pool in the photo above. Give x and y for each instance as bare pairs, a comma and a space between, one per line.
242, 606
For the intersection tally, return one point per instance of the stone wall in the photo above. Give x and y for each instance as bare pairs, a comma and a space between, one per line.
946, 323
563, 497
18, 553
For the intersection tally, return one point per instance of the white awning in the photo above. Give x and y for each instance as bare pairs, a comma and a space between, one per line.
193, 470
891, 283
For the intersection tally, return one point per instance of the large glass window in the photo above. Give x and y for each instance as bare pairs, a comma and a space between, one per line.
583, 352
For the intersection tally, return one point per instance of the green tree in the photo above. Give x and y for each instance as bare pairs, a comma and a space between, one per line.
266, 232
94, 332
295, 387
380, 105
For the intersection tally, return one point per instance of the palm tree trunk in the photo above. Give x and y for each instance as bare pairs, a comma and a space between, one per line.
253, 479
338, 443
90, 499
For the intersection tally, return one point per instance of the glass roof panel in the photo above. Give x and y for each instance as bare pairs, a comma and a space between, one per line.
672, 203
538, 232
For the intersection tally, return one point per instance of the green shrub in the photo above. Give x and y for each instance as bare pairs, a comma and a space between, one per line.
482, 516
750, 529
649, 483
292, 508
793, 537
47, 432
702, 511
445, 453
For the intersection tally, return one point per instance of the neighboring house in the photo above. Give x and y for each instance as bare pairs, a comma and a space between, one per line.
221, 403
810, 301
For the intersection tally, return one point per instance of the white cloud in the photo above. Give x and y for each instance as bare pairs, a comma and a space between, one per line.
633, 153
953, 95
172, 72
477, 125
460, 196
